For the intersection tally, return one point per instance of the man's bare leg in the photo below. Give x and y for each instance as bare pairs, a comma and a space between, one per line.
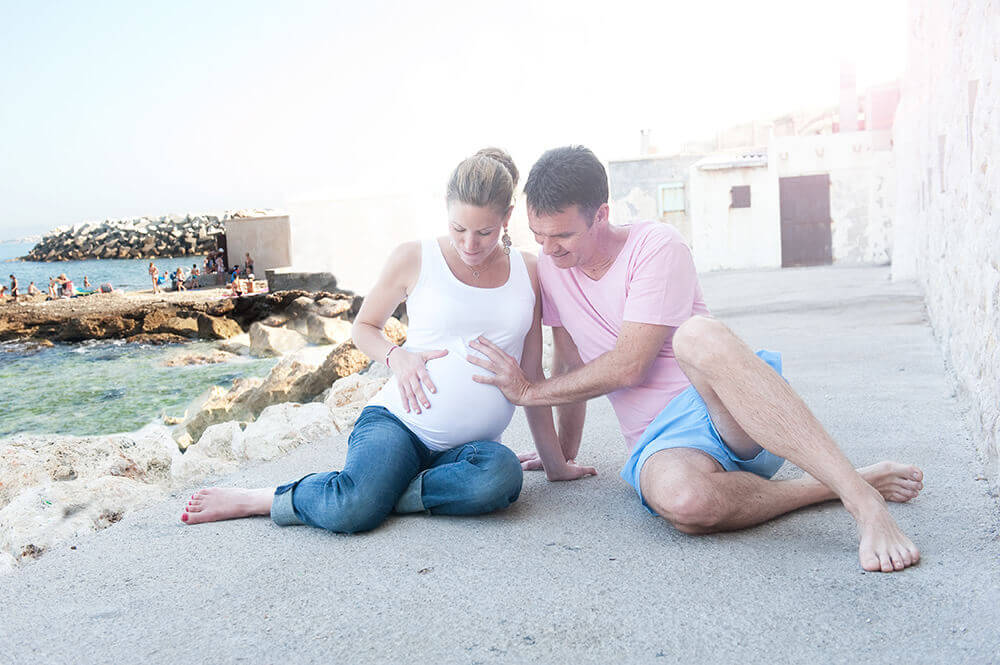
693, 492
225, 503
753, 407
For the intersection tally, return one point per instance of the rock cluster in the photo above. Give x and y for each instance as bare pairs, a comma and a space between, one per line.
136, 238
54, 488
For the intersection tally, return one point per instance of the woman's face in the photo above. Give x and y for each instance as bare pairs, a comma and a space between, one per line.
474, 231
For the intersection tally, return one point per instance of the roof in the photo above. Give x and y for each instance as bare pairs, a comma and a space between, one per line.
734, 159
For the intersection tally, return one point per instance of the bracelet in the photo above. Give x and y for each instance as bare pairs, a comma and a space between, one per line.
391, 349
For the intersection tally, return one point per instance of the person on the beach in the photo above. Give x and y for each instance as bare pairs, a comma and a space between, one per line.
154, 274
707, 421
248, 265
67, 286
179, 276
428, 441
86, 283
14, 289
52, 288
220, 267
3, 290
33, 290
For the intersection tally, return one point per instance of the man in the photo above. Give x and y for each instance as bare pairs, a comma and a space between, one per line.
708, 422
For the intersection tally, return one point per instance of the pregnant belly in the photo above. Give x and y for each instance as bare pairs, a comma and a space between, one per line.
461, 409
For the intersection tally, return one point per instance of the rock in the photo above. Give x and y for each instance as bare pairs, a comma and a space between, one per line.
239, 345
216, 327
348, 396
156, 338
331, 307
217, 405
186, 359
322, 330
26, 461
268, 341
284, 427
41, 517
212, 455
287, 379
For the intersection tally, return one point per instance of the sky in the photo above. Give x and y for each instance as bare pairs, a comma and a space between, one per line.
118, 109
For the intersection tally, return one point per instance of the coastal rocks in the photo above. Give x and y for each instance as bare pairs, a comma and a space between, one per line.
348, 396
141, 237
144, 456
215, 405
323, 330
188, 359
43, 516
283, 427
217, 327
269, 341
211, 455
8, 564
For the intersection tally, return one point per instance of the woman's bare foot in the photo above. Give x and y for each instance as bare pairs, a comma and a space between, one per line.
225, 503
894, 481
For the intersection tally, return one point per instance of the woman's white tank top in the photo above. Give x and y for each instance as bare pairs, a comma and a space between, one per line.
445, 313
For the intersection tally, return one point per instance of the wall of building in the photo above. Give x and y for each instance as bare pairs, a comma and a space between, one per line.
725, 237
947, 222
353, 237
862, 189
634, 189
267, 239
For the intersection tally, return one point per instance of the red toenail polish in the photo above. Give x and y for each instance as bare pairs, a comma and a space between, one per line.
184, 517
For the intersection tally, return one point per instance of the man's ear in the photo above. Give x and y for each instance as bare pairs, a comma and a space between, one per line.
603, 214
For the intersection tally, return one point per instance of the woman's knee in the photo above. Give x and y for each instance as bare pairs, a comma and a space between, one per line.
499, 482
355, 509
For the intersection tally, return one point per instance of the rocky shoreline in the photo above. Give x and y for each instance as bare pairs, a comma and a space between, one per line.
55, 488
136, 238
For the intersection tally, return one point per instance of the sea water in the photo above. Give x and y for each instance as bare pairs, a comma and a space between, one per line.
105, 386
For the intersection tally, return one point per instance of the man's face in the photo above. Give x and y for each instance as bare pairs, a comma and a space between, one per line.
567, 236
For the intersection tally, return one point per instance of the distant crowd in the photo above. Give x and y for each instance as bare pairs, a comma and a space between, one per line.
240, 277
59, 287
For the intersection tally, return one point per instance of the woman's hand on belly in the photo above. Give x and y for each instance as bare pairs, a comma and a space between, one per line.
410, 370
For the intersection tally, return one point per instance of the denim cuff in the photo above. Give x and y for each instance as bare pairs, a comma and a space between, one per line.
412, 500
282, 512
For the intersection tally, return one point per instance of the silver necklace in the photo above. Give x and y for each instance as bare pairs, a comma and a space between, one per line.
475, 273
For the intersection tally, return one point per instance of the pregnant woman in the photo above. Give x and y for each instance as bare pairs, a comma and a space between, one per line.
428, 441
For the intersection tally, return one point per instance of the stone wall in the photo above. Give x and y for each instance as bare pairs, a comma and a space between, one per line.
947, 230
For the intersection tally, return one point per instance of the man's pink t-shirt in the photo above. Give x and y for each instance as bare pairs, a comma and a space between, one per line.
652, 280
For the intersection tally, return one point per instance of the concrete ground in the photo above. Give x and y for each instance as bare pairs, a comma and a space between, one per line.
576, 572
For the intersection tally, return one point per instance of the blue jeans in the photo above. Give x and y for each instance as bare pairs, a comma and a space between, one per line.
389, 468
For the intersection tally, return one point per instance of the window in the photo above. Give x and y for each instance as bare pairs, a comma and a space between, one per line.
741, 196
671, 198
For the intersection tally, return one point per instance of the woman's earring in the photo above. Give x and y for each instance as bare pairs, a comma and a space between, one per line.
506, 241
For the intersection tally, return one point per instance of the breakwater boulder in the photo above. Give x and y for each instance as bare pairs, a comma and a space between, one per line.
136, 238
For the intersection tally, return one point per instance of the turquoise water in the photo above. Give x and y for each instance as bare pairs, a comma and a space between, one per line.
128, 274
104, 386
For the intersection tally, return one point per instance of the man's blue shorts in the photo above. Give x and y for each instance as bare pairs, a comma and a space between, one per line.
685, 423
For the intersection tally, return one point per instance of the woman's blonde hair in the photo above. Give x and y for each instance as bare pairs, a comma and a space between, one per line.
487, 180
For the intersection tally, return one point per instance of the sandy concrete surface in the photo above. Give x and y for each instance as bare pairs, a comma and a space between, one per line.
575, 572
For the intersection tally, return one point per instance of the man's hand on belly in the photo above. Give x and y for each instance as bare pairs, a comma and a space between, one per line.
507, 373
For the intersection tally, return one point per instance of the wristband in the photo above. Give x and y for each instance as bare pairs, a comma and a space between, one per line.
391, 349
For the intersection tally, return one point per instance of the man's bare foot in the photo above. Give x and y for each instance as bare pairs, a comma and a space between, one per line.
883, 545
225, 503
894, 481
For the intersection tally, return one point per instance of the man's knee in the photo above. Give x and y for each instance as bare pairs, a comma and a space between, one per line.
690, 506
701, 341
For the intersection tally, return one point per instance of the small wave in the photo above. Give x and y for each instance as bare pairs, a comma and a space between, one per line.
111, 395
